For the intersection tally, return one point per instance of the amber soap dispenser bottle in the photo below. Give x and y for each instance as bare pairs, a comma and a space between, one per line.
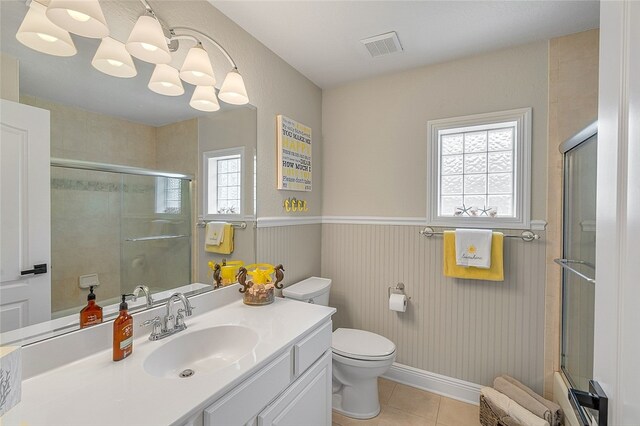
123, 332
92, 313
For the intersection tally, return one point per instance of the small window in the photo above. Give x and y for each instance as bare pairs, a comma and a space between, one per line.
168, 195
480, 170
223, 171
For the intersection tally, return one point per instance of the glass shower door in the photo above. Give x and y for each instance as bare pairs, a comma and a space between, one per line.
579, 243
156, 233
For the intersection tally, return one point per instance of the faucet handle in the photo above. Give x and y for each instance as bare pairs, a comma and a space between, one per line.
152, 321
157, 326
179, 322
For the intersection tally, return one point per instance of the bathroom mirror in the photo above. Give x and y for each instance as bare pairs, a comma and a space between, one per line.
143, 226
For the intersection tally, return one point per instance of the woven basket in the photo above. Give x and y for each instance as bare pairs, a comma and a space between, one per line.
490, 415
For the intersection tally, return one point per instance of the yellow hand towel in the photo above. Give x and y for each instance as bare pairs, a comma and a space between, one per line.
226, 246
494, 273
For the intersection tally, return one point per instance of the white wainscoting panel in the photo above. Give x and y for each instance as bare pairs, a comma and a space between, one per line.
297, 247
464, 329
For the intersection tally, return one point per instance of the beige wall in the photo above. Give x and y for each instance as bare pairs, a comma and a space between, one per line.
9, 78
274, 87
375, 130
375, 153
573, 103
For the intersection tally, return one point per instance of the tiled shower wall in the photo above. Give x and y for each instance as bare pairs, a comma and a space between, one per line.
466, 329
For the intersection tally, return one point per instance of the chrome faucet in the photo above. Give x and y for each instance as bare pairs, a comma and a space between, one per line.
170, 324
147, 294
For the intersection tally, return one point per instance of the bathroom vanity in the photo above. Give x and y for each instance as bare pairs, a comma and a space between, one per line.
266, 365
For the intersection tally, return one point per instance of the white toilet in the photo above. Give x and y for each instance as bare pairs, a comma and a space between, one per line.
359, 357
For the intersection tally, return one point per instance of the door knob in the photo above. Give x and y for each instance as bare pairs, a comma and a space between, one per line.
38, 269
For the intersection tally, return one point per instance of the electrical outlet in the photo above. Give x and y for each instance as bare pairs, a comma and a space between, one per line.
89, 280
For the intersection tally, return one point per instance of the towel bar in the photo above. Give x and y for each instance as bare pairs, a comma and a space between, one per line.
565, 264
240, 225
527, 236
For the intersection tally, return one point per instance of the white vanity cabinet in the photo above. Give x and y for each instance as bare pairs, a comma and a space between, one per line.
294, 389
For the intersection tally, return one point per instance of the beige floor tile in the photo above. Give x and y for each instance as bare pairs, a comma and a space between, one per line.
385, 388
341, 420
393, 417
388, 416
457, 413
415, 401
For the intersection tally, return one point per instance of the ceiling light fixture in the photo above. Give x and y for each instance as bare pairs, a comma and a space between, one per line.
113, 59
147, 41
204, 99
166, 81
83, 17
233, 90
39, 33
197, 69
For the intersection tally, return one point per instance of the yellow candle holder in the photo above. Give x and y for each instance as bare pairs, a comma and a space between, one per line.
260, 290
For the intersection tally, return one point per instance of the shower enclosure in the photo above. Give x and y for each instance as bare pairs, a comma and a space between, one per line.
119, 226
578, 261
587, 397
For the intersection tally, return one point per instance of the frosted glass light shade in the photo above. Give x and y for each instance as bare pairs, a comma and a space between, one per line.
204, 99
82, 17
165, 80
112, 58
39, 33
233, 90
197, 68
147, 43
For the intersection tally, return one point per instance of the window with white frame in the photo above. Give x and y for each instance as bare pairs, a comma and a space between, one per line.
168, 195
223, 171
480, 170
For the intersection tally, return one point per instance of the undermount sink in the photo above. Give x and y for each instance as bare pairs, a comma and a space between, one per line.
201, 351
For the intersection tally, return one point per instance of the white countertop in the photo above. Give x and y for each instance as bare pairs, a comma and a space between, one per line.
97, 391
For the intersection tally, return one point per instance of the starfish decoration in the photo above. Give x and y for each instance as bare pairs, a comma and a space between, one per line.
462, 210
485, 211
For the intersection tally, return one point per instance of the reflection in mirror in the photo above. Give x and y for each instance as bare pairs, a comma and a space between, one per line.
120, 230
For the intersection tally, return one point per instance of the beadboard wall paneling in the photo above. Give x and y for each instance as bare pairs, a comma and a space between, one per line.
467, 329
297, 247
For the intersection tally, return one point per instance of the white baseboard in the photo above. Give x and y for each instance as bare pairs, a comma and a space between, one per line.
442, 385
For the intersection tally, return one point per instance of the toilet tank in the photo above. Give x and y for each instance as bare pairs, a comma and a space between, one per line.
312, 290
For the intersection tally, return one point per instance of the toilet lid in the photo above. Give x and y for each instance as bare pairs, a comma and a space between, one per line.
361, 344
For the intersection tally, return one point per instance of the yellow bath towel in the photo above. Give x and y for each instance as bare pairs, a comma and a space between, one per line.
226, 246
494, 273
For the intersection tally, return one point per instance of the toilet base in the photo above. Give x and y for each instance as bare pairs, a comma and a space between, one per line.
337, 407
359, 400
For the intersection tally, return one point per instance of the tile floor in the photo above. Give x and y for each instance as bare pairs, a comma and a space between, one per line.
403, 405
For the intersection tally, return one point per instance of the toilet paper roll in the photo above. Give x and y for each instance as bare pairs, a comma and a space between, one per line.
398, 302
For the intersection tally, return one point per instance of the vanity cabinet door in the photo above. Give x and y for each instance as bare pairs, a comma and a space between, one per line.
307, 402
243, 403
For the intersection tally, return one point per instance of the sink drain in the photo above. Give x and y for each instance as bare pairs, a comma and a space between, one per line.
187, 373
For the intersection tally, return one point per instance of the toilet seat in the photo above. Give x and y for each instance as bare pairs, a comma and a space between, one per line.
362, 345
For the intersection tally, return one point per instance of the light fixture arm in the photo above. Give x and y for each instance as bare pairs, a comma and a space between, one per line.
208, 38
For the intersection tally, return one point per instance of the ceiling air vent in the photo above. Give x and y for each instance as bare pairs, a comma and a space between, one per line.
383, 44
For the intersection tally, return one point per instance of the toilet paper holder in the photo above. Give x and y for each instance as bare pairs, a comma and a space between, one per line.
398, 289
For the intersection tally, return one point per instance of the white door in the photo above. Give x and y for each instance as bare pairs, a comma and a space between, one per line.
25, 224
617, 289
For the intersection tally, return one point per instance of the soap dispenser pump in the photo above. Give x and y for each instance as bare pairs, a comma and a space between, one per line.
92, 313
123, 332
